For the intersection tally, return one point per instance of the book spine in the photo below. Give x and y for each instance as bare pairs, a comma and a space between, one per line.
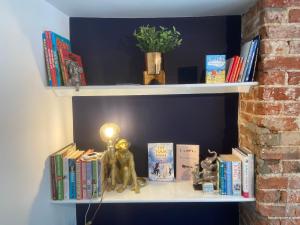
72, 178
242, 70
234, 68
228, 177
59, 177
51, 58
83, 180
66, 177
251, 175
222, 190
229, 69
78, 180
47, 63
236, 178
53, 177
94, 178
56, 61
64, 71
99, 177
252, 54
89, 180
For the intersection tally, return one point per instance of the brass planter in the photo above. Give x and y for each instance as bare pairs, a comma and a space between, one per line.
154, 63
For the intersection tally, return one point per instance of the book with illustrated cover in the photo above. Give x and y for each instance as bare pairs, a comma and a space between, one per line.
160, 161
215, 69
187, 158
68, 59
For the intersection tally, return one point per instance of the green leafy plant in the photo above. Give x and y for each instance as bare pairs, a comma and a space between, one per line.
152, 39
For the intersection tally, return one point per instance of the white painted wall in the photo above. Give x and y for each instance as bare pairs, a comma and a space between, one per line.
33, 121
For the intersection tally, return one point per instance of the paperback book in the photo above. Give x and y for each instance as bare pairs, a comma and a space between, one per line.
160, 162
215, 68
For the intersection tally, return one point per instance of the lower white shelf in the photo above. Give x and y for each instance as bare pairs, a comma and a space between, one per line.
161, 192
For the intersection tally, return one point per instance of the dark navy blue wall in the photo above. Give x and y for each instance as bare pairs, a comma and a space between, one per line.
110, 56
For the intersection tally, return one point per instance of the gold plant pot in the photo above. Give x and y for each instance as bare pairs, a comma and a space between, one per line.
154, 62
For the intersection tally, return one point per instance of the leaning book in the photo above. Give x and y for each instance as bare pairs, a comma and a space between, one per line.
160, 162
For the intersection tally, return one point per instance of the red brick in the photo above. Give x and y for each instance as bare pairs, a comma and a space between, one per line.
277, 93
274, 47
278, 15
249, 107
290, 221
294, 182
278, 123
271, 77
271, 210
265, 108
291, 109
280, 153
291, 166
279, 3
280, 62
294, 78
294, 47
282, 31
268, 196
293, 196
294, 16
293, 210
268, 167
272, 182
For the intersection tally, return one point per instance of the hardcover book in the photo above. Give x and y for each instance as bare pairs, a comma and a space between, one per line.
187, 158
215, 68
160, 162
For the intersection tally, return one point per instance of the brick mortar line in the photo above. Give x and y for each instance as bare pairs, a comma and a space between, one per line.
270, 175
280, 39
278, 204
271, 101
261, 116
279, 189
279, 85
286, 217
287, 55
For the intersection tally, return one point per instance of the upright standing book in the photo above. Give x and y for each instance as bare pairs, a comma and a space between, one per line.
160, 162
187, 159
215, 68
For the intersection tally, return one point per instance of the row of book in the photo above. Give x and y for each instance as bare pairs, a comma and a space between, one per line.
76, 174
61, 63
236, 173
242, 68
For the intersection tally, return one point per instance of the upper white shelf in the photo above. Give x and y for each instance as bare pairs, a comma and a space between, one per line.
158, 192
167, 89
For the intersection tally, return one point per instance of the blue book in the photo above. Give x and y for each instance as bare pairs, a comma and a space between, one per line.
58, 42
228, 177
160, 162
89, 178
72, 178
215, 68
251, 59
222, 185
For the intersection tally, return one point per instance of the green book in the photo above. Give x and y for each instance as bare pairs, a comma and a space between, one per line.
95, 178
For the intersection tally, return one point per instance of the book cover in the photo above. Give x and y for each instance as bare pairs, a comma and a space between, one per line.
66, 171
160, 162
245, 49
89, 179
187, 158
245, 171
236, 175
68, 59
51, 58
234, 68
56, 40
46, 56
215, 68
228, 177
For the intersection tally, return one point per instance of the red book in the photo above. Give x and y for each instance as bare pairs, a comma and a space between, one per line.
66, 59
238, 68
234, 68
51, 58
230, 62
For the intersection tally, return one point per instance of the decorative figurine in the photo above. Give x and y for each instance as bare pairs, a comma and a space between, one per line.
74, 71
208, 174
126, 167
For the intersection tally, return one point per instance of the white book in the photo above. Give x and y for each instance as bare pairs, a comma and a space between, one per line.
245, 53
245, 171
251, 170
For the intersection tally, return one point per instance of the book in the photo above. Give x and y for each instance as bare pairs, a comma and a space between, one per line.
234, 68
56, 167
66, 171
236, 76
251, 58
245, 49
215, 68
221, 176
187, 159
229, 68
253, 67
46, 56
72, 174
51, 58
251, 170
236, 175
245, 171
83, 182
58, 42
89, 179
68, 59
160, 161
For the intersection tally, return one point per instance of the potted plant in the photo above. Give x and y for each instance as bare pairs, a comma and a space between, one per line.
154, 42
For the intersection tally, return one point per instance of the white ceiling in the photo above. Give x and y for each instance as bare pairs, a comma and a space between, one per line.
151, 8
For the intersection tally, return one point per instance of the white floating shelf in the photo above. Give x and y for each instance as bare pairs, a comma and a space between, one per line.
160, 192
167, 89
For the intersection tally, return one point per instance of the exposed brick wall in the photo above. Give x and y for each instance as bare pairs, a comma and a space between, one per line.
269, 116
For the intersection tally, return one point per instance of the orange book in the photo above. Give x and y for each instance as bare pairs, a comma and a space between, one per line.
230, 63
238, 70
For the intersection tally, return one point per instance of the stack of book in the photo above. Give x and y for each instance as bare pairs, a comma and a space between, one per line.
242, 68
58, 58
236, 173
76, 174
